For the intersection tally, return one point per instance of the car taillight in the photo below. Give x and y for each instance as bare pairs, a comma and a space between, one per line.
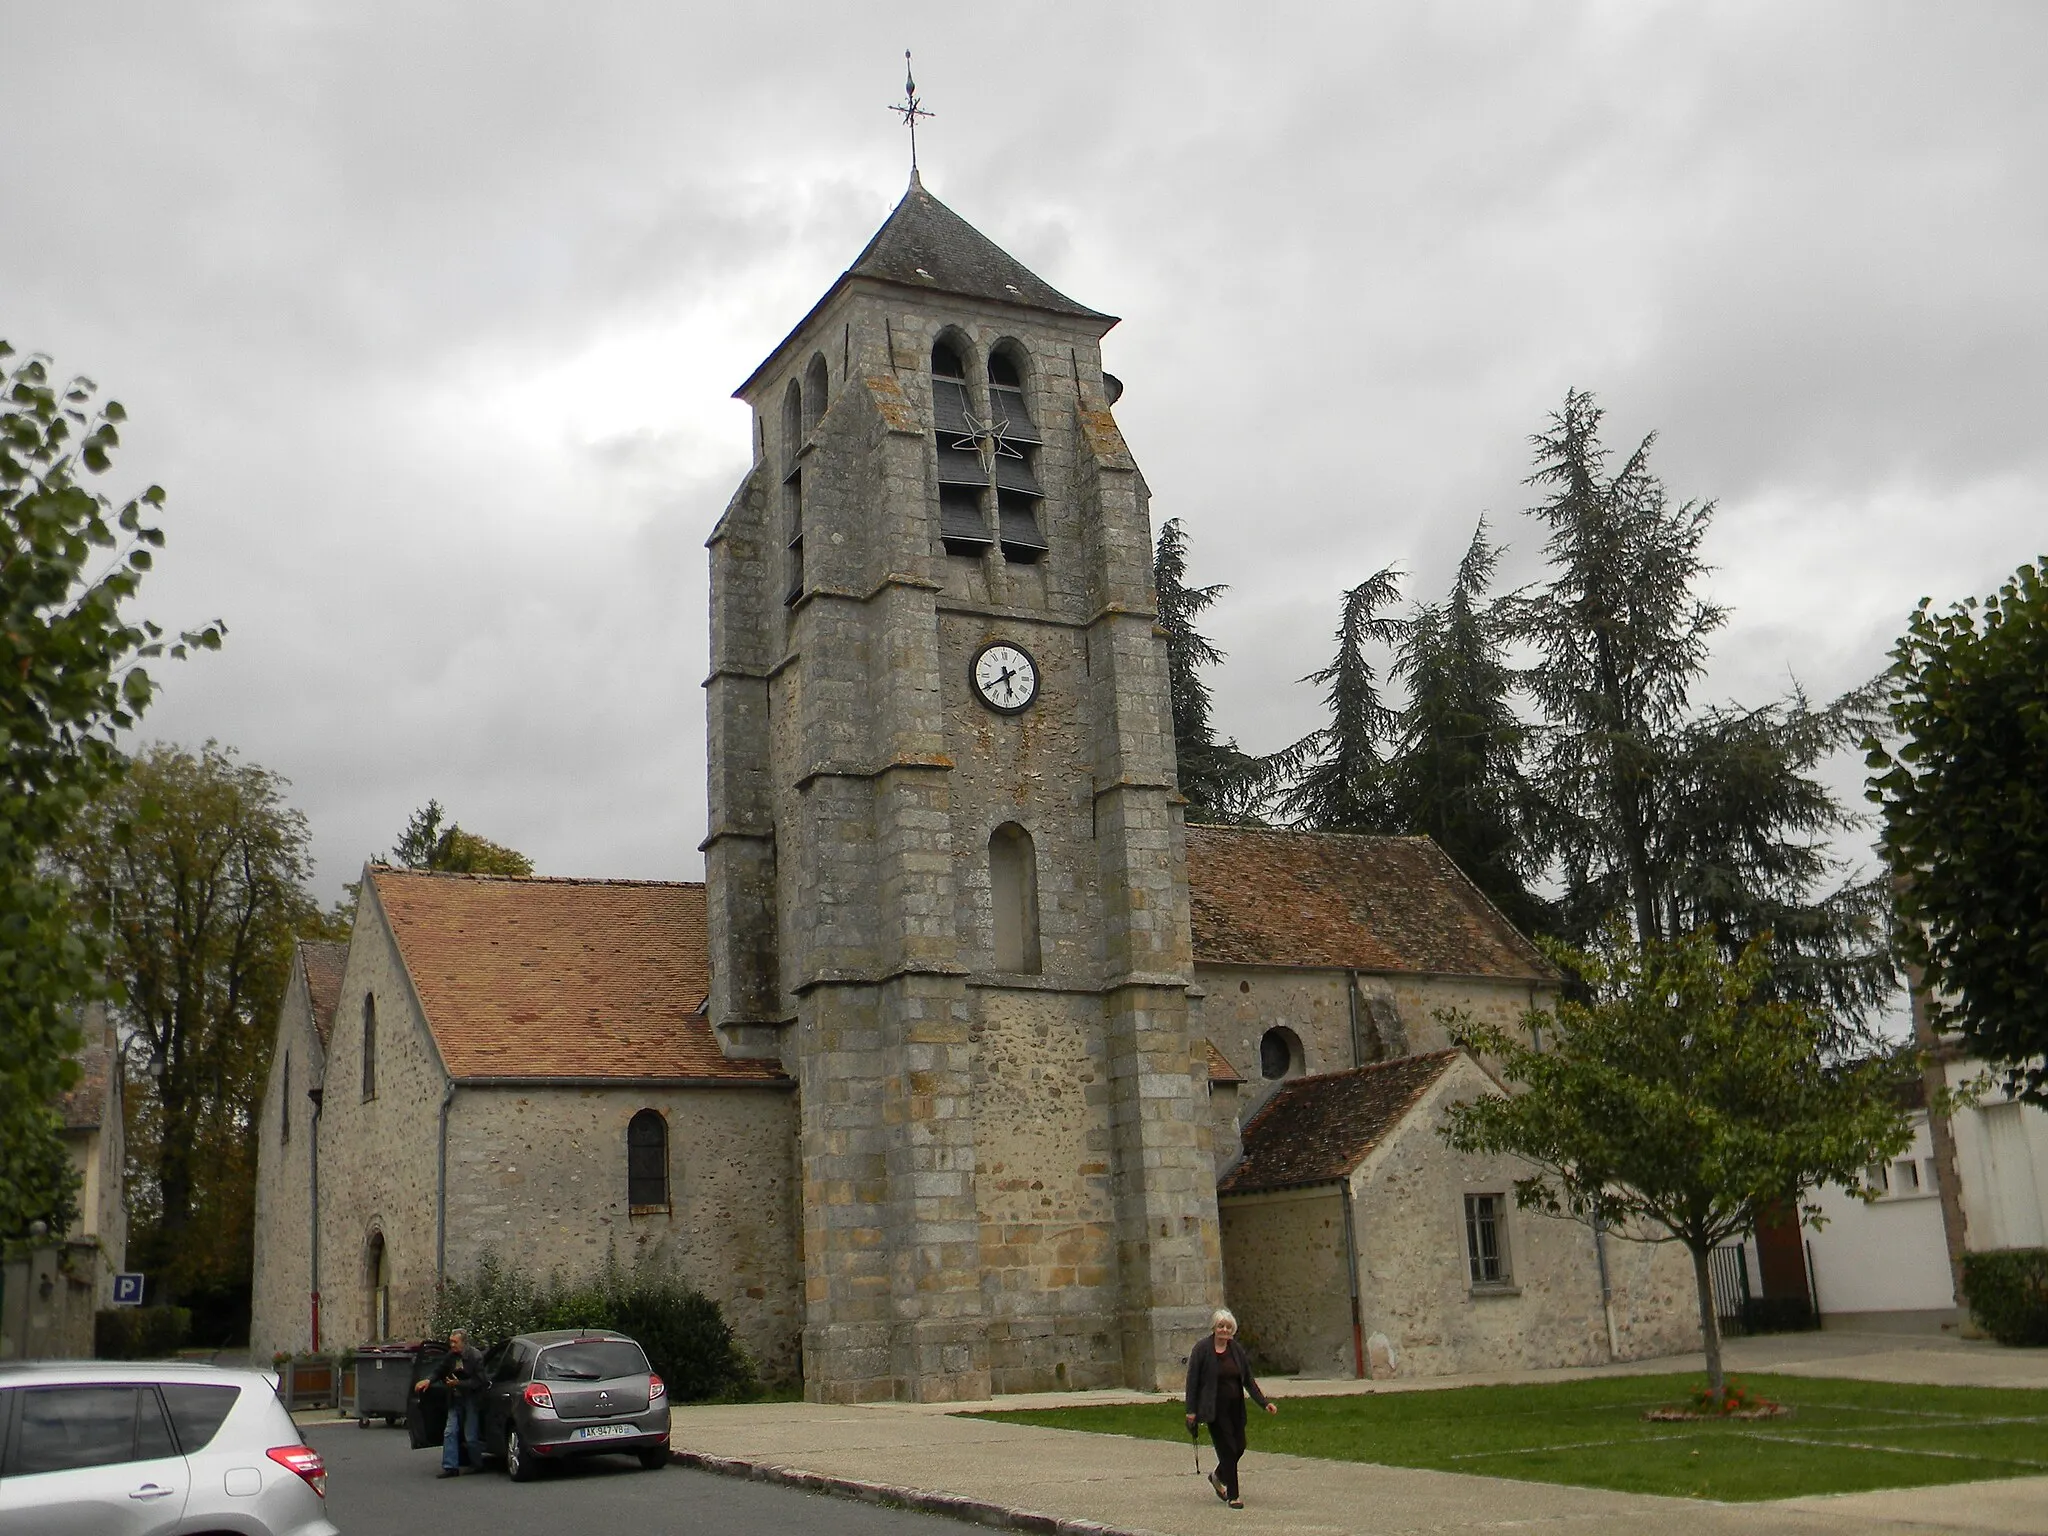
654, 1387
305, 1461
538, 1396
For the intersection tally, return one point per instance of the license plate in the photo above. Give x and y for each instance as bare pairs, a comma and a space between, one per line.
604, 1431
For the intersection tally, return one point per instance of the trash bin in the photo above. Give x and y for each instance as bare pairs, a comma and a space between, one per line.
384, 1382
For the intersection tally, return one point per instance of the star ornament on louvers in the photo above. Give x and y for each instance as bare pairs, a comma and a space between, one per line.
989, 440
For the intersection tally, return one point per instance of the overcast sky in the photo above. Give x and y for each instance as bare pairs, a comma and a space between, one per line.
427, 316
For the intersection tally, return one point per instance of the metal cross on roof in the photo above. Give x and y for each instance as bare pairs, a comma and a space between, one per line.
911, 108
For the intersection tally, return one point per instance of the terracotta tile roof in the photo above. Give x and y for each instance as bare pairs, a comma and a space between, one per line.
1333, 899
324, 963
85, 1104
1316, 1130
561, 978
1220, 1069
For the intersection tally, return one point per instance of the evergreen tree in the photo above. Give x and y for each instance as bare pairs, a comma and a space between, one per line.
1457, 770
1674, 816
1337, 776
427, 844
1220, 782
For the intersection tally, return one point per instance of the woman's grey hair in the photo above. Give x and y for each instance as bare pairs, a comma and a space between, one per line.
1221, 1316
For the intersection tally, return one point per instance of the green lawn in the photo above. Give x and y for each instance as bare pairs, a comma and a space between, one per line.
1843, 1435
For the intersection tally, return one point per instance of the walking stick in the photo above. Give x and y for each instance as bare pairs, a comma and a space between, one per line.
1195, 1439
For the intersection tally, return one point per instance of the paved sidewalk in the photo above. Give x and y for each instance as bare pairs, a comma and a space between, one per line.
1062, 1483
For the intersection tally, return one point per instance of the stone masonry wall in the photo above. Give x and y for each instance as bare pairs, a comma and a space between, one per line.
538, 1174
1415, 1282
1283, 1263
280, 1305
378, 1156
1243, 1002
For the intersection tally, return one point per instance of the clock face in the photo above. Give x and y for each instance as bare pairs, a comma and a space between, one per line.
1004, 677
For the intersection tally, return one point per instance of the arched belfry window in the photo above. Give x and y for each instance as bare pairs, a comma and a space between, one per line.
369, 1046
1016, 447
817, 388
647, 1160
793, 488
963, 482
1013, 894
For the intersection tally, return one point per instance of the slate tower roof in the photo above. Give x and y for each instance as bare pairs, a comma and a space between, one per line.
925, 245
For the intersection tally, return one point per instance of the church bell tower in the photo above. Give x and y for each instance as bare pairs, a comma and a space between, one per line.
945, 859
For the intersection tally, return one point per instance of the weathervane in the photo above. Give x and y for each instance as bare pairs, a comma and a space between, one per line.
911, 108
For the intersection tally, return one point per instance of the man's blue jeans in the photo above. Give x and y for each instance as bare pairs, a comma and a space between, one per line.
462, 1425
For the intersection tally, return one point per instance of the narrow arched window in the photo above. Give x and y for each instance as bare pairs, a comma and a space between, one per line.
817, 387
284, 1112
369, 1046
1017, 443
1280, 1053
1013, 893
963, 482
647, 1160
793, 490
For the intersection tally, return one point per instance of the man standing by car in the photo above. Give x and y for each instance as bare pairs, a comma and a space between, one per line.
461, 1373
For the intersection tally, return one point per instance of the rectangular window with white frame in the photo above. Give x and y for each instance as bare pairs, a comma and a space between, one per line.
1486, 1241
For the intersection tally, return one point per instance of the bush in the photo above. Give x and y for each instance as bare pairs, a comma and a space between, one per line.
2008, 1293
685, 1335
140, 1333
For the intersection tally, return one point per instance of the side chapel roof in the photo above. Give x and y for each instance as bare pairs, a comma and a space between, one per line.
1220, 1069
1344, 901
539, 978
323, 963
1317, 1130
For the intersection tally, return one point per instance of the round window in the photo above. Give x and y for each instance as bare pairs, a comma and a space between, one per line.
1279, 1053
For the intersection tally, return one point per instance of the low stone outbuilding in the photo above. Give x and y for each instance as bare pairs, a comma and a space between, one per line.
518, 1066
1356, 1242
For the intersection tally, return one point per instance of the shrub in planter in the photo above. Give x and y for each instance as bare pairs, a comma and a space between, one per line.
140, 1333
2008, 1293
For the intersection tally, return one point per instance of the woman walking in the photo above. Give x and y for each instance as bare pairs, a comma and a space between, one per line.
1219, 1377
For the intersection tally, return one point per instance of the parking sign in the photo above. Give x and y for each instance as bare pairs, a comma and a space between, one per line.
127, 1290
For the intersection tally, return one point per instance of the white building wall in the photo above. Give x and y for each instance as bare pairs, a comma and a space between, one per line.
1888, 1255
2002, 1159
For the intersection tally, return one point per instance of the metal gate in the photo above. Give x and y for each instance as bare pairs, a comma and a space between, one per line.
1728, 1267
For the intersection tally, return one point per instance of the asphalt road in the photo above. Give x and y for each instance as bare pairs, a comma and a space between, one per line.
377, 1486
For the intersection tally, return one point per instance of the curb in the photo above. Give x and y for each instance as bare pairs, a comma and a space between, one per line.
959, 1506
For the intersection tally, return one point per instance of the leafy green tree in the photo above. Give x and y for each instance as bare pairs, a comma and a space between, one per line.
1336, 777
201, 866
1456, 769
1674, 816
72, 675
1965, 804
1677, 1096
427, 844
1220, 781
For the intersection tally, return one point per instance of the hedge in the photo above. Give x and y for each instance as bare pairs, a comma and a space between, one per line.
2008, 1293
686, 1337
140, 1333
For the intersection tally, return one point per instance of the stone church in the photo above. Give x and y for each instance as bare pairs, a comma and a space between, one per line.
933, 1081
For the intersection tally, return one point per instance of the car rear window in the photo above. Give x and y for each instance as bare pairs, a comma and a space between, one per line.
590, 1360
198, 1409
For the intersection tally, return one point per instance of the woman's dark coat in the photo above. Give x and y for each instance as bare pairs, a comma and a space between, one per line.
1202, 1378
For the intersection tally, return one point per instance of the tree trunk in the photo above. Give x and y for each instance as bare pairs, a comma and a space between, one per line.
1710, 1325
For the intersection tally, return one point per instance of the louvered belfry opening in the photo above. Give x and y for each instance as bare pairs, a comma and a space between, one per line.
793, 432
963, 521
1017, 490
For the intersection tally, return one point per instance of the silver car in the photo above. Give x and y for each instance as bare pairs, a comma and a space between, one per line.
578, 1392
117, 1448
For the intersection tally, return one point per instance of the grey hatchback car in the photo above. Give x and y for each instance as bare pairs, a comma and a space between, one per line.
552, 1396
112, 1448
